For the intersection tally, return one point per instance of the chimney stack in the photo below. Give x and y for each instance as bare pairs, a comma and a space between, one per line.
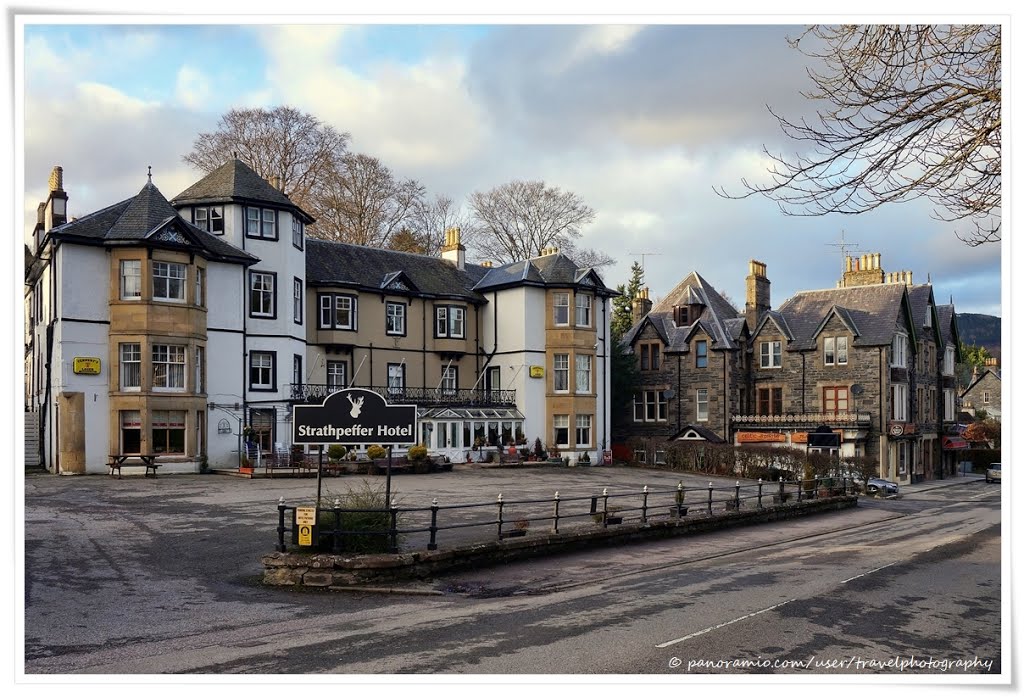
57, 202
759, 293
453, 251
642, 304
865, 271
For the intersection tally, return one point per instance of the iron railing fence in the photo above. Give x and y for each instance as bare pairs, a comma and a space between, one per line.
419, 528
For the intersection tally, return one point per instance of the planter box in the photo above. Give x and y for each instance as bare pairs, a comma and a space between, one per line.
513, 533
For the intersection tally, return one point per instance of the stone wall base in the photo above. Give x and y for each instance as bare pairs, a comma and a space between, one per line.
326, 570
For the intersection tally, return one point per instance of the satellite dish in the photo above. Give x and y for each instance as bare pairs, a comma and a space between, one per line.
857, 389
669, 394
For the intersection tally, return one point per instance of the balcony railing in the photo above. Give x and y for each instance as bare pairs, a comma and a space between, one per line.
420, 396
808, 419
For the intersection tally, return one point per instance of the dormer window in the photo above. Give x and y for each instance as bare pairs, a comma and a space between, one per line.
210, 219
682, 315
650, 356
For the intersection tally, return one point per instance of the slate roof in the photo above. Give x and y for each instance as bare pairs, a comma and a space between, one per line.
948, 329
873, 309
702, 431
365, 268
981, 376
551, 270
723, 323
236, 182
148, 219
920, 297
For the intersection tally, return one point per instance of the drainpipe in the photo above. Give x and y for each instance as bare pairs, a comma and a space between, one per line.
725, 394
423, 354
881, 416
606, 392
679, 391
245, 336
803, 382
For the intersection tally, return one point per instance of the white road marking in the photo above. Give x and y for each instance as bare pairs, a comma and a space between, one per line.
978, 496
724, 624
868, 572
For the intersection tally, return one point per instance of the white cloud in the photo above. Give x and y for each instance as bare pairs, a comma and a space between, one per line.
192, 87
414, 117
598, 40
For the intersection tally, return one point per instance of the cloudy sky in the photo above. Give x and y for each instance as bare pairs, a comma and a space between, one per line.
640, 119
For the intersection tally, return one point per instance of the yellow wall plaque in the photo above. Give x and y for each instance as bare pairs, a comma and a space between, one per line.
86, 366
536, 371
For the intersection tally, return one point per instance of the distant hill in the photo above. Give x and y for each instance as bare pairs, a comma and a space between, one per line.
981, 330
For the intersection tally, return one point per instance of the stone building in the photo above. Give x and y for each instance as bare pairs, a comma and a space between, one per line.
169, 328
868, 360
984, 394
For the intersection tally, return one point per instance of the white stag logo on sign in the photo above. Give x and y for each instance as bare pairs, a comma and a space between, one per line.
357, 406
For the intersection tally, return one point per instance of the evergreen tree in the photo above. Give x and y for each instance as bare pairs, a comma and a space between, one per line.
622, 306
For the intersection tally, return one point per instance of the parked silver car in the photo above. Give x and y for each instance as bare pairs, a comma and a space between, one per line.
877, 485
994, 473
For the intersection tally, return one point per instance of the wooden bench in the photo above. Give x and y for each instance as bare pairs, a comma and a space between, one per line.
116, 462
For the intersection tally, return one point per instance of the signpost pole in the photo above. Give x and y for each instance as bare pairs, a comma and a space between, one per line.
319, 474
387, 485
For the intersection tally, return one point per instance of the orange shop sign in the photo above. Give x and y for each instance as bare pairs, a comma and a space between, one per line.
759, 437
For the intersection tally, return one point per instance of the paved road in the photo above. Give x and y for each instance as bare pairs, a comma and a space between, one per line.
159, 576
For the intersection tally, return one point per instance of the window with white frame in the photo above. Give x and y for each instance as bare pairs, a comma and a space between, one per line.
836, 350
261, 370
449, 322
584, 303
167, 431
650, 405
396, 377
560, 422
131, 367
583, 430
336, 375
898, 357
297, 300
200, 370
949, 405
168, 281
297, 375
986, 398
702, 404
771, 354
561, 372
131, 279
394, 319
168, 367
949, 361
449, 379
297, 232
199, 299
560, 304
583, 373
899, 406
261, 294
338, 311
261, 223
210, 219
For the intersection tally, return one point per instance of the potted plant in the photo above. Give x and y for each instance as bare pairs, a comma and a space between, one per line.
538, 450
584, 458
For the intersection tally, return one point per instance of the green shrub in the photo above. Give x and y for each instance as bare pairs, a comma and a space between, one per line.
362, 510
417, 453
376, 452
336, 452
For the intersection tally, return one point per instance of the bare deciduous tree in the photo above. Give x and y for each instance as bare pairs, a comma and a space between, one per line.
281, 142
363, 203
433, 217
911, 111
518, 219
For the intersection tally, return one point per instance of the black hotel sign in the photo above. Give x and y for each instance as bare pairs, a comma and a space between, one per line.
353, 417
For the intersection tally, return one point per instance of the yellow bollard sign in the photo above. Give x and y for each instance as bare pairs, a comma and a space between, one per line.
305, 519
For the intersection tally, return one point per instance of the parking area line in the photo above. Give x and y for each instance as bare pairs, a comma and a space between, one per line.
723, 624
868, 572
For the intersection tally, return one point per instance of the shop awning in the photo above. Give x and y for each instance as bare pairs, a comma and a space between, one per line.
954, 443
